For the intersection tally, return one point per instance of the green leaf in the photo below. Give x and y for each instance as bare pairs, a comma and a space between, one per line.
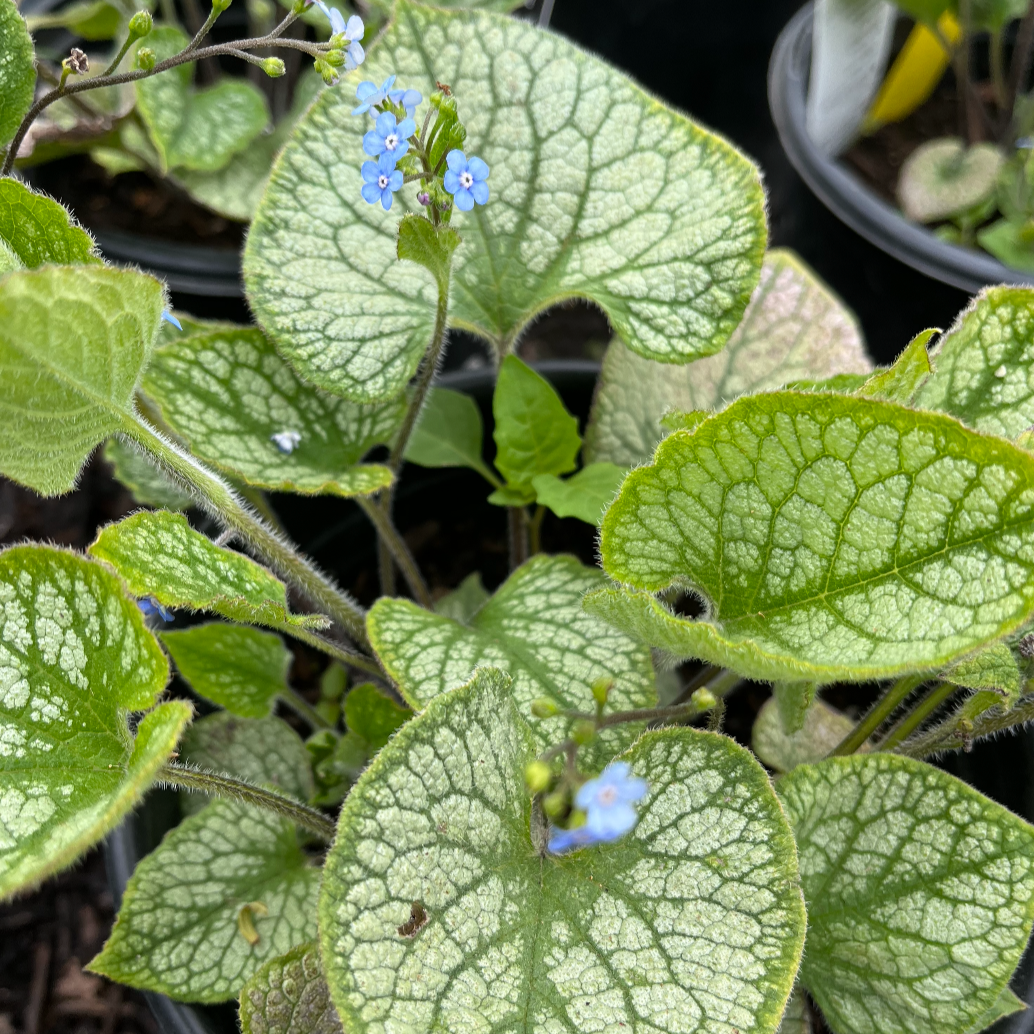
1007, 241
337, 771
289, 995
598, 191
464, 601
239, 668
159, 554
38, 230
372, 715
265, 751
17, 71
797, 1017
794, 327
982, 368
534, 433
840, 384
900, 382
385, 7
449, 434
586, 495
196, 129
993, 667
76, 657
87, 19
943, 178
824, 727
73, 341
535, 629
228, 394
920, 894
1006, 1004
793, 700
835, 538
179, 930
147, 483
437, 913
431, 248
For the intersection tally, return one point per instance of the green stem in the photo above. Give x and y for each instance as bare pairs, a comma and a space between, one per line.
946, 737
224, 504
535, 531
182, 777
997, 57
332, 649
880, 712
297, 703
130, 40
517, 533
937, 695
399, 550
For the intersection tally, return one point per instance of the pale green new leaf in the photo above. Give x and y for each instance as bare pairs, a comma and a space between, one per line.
449, 433
994, 667
17, 71
597, 191
437, 913
835, 538
37, 230
900, 382
920, 894
373, 715
535, 629
794, 328
824, 727
75, 657
196, 129
983, 368
465, 600
150, 487
159, 554
239, 668
229, 395
586, 495
73, 342
289, 995
793, 700
178, 931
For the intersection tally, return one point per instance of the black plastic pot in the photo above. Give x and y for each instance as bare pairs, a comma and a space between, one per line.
845, 194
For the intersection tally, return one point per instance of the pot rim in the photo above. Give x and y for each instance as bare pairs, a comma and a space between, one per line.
846, 196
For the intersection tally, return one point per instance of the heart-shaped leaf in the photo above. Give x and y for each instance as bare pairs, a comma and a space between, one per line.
824, 727
226, 890
942, 178
159, 554
241, 669
598, 191
835, 538
449, 434
76, 657
465, 600
372, 715
995, 667
535, 629
37, 230
17, 71
437, 913
196, 129
920, 894
793, 328
73, 341
241, 407
289, 995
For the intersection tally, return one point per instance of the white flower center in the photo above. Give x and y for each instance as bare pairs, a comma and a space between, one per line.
466, 180
607, 796
382, 181
391, 141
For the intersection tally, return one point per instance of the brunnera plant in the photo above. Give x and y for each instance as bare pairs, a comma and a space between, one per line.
502, 816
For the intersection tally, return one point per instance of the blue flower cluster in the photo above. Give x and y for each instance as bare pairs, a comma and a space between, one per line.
608, 803
352, 32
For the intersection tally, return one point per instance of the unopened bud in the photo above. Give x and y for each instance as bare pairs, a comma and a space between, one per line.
424, 198
77, 62
145, 59
140, 24
555, 805
274, 67
601, 690
703, 699
329, 76
544, 708
583, 731
218, 6
537, 777
334, 58
301, 6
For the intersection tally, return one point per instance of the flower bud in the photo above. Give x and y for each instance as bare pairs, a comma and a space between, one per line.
140, 24
601, 690
544, 708
145, 59
424, 198
555, 805
703, 699
334, 58
537, 777
301, 6
218, 6
583, 731
330, 77
274, 67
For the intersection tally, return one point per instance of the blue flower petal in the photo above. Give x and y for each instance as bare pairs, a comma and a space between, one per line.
355, 30
406, 128
386, 163
370, 172
563, 840
371, 193
464, 200
456, 160
478, 169
373, 144
480, 192
386, 199
388, 84
385, 123
337, 21
354, 56
169, 318
611, 823
451, 181
412, 100
365, 89
395, 180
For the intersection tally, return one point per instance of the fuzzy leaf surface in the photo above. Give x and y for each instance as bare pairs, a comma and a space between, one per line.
372, 715
465, 600
616, 937
37, 229
995, 667
900, 382
794, 328
150, 487
598, 191
177, 930
535, 629
159, 554
835, 537
586, 495
289, 995
241, 669
227, 394
73, 342
17, 71
75, 656
920, 894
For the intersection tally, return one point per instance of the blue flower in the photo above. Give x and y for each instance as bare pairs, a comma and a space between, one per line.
286, 441
607, 802
149, 605
465, 180
169, 318
409, 99
389, 136
381, 179
353, 31
370, 96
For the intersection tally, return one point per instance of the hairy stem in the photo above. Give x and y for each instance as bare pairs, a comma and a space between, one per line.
936, 696
517, 533
946, 736
301, 707
389, 536
226, 506
535, 531
187, 778
878, 714
335, 650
